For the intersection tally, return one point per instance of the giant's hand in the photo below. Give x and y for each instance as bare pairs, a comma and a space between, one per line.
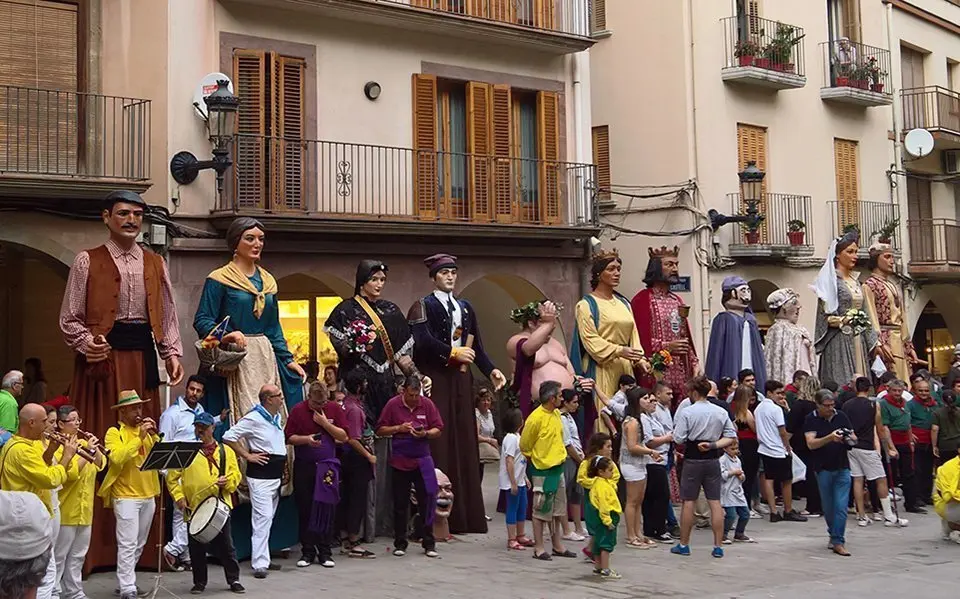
499, 381
548, 312
236, 338
174, 370
426, 385
97, 349
294, 367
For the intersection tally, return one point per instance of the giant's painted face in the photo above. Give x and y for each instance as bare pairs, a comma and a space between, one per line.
739, 298
790, 311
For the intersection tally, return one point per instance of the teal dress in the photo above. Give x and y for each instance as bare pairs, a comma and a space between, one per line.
217, 302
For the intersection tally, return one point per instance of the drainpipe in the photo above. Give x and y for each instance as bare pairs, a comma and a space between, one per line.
897, 155
693, 165
583, 209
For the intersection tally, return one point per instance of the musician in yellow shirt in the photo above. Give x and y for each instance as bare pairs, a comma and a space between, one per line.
213, 472
23, 467
129, 491
76, 504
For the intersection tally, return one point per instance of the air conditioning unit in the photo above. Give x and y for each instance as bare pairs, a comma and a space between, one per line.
951, 162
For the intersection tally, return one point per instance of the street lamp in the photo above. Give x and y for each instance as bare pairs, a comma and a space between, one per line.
751, 191
221, 124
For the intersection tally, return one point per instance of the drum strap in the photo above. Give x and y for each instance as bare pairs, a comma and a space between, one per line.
223, 465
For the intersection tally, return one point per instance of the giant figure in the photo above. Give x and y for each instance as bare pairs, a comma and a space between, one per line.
661, 318
446, 342
117, 314
734, 336
537, 356
788, 346
884, 303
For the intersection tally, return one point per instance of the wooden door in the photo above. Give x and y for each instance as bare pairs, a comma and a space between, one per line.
917, 110
923, 244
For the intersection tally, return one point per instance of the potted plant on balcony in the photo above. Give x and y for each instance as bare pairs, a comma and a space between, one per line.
851, 228
745, 51
885, 233
876, 75
844, 71
780, 50
861, 76
751, 231
795, 231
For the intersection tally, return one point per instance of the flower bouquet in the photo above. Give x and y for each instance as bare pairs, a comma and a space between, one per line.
360, 337
854, 322
216, 356
660, 361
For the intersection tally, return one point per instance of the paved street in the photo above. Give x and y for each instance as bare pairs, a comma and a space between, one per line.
789, 560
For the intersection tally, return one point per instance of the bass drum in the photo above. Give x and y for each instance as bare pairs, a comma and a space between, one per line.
208, 519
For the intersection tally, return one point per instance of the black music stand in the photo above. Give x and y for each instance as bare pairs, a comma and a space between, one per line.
175, 455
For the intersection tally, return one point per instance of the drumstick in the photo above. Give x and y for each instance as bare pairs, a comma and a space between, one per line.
464, 367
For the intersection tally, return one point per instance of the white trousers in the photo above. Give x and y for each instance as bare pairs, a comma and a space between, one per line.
177, 547
264, 496
49, 588
70, 551
134, 518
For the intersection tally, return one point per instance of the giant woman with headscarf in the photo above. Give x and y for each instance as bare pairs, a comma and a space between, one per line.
378, 363
247, 293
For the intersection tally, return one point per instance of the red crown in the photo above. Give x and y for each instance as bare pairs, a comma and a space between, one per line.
664, 252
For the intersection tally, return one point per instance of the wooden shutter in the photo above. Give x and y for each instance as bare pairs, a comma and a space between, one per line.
425, 145
501, 139
599, 8
850, 13
250, 155
752, 146
601, 158
39, 130
754, 25
545, 14
286, 144
848, 182
548, 118
479, 149
923, 244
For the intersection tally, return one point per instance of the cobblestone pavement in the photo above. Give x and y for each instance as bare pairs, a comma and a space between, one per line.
789, 560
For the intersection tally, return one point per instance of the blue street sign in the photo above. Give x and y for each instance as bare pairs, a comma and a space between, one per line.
682, 286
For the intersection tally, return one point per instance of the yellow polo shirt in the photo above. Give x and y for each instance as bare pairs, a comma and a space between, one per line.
76, 496
22, 469
947, 486
542, 439
124, 479
196, 482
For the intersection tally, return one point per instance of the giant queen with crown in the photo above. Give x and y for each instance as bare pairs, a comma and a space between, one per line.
661, 318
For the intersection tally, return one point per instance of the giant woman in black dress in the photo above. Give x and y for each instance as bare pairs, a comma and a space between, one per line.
442, 326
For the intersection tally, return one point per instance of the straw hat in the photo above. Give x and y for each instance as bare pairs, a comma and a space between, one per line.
128, 398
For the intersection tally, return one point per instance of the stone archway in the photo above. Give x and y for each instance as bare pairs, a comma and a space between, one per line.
493, 296
760, 289
305, 302
933, 339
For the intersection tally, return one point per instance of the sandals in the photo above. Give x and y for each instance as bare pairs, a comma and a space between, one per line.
515, 545
526, 542
640, 544
361, 553
564, 553
543, 556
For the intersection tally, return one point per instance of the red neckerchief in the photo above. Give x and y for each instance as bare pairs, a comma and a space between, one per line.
208, 451
897, 404
929, 403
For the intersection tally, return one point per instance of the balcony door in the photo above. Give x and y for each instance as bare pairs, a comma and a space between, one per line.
39, 128
752, 147
847, 170
920, 221
915, 112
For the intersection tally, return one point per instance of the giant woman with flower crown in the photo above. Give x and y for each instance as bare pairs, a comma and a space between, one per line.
247, 293
844, 337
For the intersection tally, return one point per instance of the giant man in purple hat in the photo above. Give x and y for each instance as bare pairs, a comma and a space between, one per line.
735, 342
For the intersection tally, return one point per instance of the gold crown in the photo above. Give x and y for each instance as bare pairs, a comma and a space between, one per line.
606, 255
664, 251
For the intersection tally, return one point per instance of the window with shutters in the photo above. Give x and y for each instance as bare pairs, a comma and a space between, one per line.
846, 165
846, 15
752, 147
601, 158
598, 15
485, 152
270, 153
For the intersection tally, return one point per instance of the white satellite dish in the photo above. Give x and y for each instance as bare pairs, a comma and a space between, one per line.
918, 143
207, 86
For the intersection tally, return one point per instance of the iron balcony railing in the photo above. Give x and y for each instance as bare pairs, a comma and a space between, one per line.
856, 65
553, 16
934, 241
752, 41
782, 212
352, 180
874, 220
61, 133
935, 108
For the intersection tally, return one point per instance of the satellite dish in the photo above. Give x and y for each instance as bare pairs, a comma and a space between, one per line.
207, 86
918, 143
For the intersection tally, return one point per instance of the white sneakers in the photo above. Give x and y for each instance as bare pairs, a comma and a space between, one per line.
901, 522
574, 536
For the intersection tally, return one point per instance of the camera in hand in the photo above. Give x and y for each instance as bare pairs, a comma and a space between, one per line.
847, 435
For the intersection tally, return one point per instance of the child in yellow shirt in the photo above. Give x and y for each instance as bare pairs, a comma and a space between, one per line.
603, 497
599, 444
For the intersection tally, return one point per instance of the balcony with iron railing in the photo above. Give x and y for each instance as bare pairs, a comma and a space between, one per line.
876, 221
934, 108
934, 249
363, 183
763, 53
787, 229
855, 73
554, 26
70, 144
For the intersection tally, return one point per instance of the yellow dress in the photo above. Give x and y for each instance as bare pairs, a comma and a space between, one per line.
616, 329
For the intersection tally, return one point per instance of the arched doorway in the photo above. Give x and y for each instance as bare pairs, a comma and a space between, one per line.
32, 283
305, 302
932, 339
759, 290
493, 297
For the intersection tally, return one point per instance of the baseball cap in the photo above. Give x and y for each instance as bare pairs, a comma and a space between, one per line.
25, 526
